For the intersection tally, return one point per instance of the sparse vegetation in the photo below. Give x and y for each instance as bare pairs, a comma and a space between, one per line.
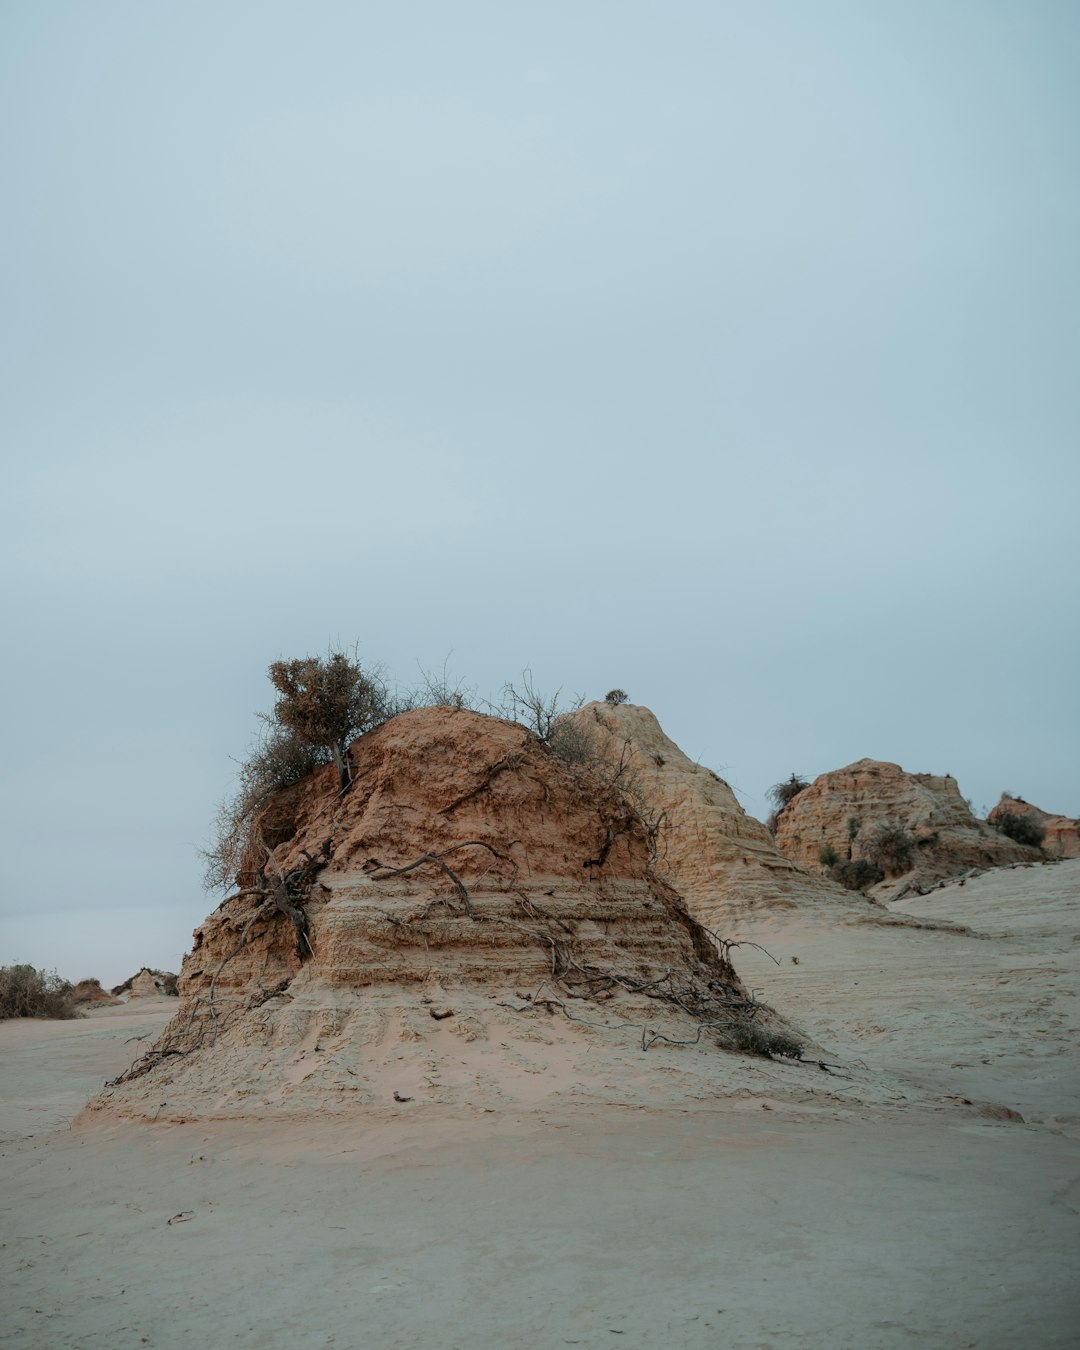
278, 760
27, 992
1020, 828
439, 691
754, 1039
827, 856
616, 696
541, 713
856, 875
323, 704
889, 847
783, 794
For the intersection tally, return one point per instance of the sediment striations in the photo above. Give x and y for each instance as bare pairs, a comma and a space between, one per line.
844, 810
468, 875
723, 862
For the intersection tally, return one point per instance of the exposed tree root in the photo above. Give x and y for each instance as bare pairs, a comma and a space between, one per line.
717, 1005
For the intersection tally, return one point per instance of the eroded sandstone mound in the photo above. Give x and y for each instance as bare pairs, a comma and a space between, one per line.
468, 886
89, 993
908, 824
1061, 834
723, 862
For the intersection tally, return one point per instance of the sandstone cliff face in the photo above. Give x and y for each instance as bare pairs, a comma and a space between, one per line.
843, 810
466, 869
722, 861
1061, 834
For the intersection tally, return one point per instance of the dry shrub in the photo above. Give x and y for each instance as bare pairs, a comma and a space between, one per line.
783, 794
26, 992
753, 1039
539, 712
889, 847
438, 690
1021, 829
858, 875
279, 759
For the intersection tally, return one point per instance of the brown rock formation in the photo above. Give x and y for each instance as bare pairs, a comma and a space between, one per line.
722, 861
1061, 834
845, 810
466, 869
89, 994
147, 984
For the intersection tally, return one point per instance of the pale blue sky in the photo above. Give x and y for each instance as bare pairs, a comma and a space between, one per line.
725, 352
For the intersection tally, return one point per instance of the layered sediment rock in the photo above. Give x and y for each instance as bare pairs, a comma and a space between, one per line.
722, 861
1061, 834
468, 876
848, 810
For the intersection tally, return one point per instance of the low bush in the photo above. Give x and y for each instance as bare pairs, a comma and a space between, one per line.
438, 690
858, 875
890, 848
1021, 829
753, 1039
827, 856
26, 992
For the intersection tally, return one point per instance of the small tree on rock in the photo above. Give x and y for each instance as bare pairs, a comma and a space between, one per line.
327, 702
323, 703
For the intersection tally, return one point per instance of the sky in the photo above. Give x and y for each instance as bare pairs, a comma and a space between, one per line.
726, 353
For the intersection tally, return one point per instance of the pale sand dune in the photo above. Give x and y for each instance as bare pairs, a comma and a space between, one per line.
873, 1211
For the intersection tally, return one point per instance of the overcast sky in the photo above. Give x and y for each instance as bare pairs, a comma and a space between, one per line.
725, 352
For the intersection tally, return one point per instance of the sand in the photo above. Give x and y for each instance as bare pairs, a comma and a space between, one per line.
894, 1200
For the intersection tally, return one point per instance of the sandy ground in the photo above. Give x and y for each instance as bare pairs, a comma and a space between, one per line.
899, 1204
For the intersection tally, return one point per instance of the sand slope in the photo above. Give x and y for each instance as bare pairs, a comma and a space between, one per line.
787, 1208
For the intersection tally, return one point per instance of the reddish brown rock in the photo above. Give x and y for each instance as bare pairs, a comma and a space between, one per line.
1061, 834
467, 867
89, 993
846, 810
722, 861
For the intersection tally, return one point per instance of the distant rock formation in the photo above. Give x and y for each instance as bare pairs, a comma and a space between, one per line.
722, 861
147, 984
469, 876
1061, 834
89, 994
908, 824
